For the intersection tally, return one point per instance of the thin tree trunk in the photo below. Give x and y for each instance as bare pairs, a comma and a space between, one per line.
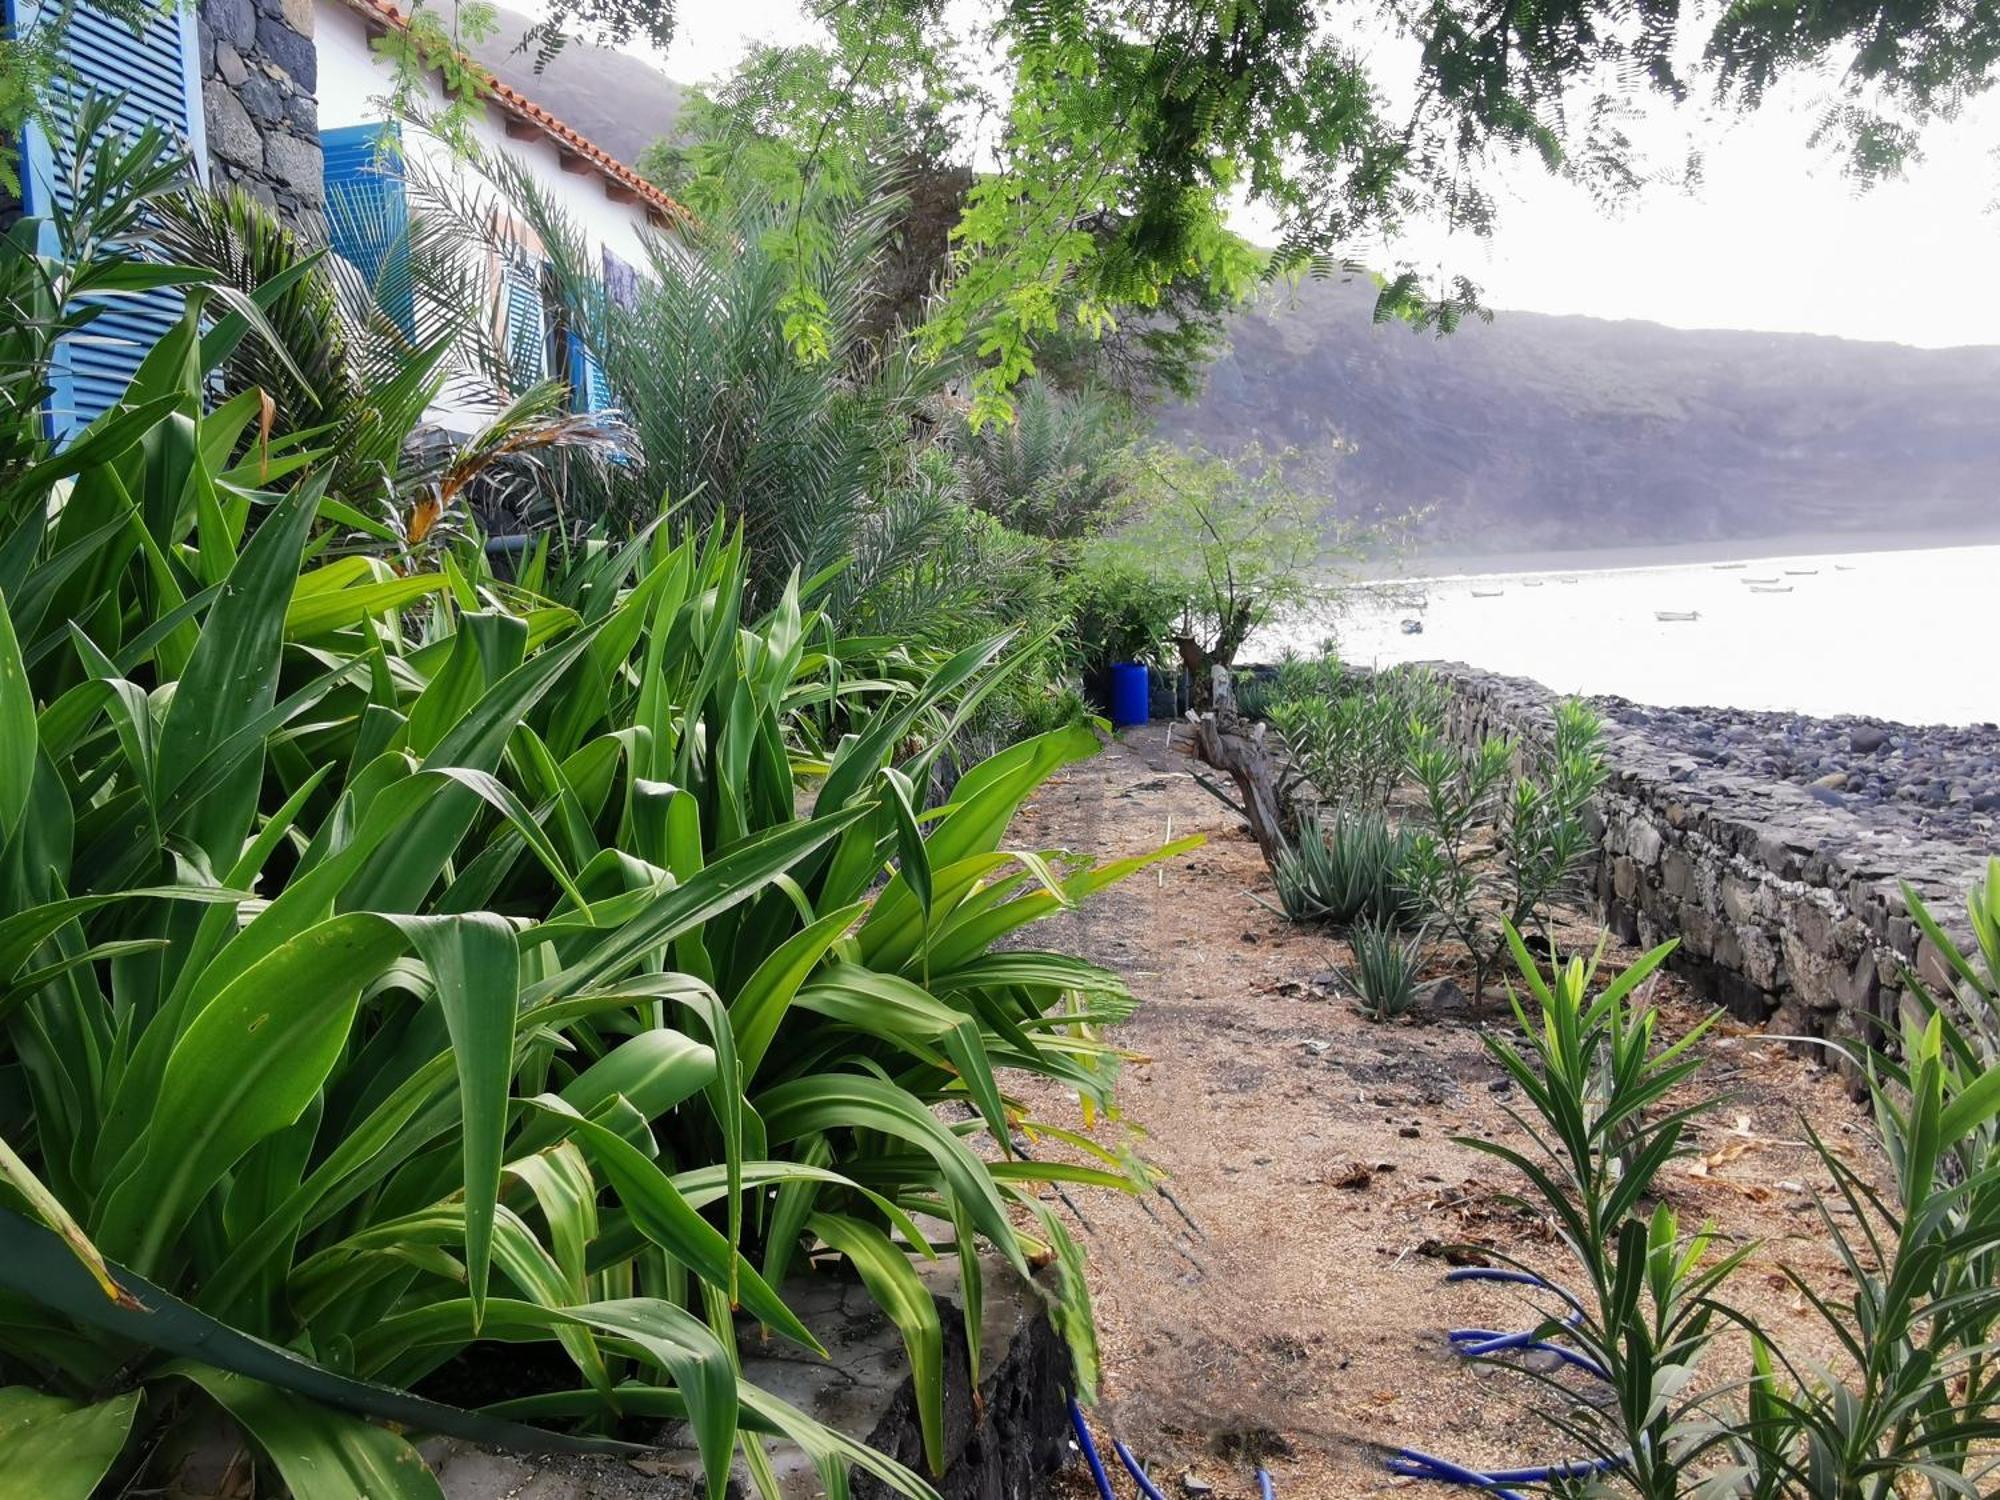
1237, 746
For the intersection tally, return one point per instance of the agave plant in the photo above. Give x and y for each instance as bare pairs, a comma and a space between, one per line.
393, 961
1384, 974
1344, 869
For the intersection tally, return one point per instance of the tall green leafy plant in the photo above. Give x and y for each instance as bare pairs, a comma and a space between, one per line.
1637, 1295
399, 960
1480, 885
1911, 1401
802, 446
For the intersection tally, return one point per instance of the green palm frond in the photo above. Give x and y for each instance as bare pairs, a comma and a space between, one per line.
728, 416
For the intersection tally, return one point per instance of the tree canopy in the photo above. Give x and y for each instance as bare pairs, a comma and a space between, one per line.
1106, 141
1109, 139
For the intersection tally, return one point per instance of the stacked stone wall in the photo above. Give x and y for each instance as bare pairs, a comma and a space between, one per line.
1788, 910
259, 80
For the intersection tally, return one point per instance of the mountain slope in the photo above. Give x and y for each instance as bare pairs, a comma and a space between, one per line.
1538, 432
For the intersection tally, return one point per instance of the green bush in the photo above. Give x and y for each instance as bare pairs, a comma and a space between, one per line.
1907, 1405
1477, 887
395, 961
1350, 737
1119, 611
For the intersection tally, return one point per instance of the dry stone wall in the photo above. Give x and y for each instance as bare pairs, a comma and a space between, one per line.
1789, 910
259, 79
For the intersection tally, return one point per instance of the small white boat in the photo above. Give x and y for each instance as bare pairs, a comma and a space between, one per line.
1487, 593
1772, 579
1801, 572
1726, 567
1782, 588
1843, 567
1532, 583
1565, 580
1676, 614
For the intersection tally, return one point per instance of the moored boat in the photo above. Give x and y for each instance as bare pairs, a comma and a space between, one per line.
1676, 614
1782, 588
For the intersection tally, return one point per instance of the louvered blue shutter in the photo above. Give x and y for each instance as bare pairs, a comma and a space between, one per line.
368, 213
527, 332
589, 390
156, 81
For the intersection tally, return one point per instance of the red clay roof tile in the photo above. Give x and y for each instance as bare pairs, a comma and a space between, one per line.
521, 107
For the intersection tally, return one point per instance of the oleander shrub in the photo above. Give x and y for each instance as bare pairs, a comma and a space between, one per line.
1906, 1405
396, 962
1349, 736
1505, 830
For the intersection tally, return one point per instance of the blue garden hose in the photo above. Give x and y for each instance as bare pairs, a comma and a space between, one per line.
1475, 1343
1418, 1465
1147, 1488
1412, 1464
1082, 1431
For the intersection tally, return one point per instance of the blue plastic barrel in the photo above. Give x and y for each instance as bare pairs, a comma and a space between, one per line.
1131, 692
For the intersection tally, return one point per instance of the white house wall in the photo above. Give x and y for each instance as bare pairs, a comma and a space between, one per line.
353, 89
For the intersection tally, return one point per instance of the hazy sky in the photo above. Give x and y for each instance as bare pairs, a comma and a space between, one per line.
1774, 239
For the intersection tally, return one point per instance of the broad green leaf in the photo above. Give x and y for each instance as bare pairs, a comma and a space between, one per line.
761, 1003
17, 730
52, 1448
667, 1219
35, 1263
902, 1295
246, 1066
827, 1102
322, 1453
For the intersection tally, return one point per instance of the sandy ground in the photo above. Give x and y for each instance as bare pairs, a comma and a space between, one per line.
1293, 1310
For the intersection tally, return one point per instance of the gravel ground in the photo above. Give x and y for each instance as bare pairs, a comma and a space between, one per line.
1944, 781
1288, 1305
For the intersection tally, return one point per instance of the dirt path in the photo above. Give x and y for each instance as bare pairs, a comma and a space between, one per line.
1300, 1321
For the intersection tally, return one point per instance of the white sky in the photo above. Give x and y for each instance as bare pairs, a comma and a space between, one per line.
1774, 238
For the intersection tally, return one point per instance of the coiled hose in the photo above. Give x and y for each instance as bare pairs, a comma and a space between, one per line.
1477, 1343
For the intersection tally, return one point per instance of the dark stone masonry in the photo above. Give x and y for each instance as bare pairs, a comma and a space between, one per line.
1717, 828
259, 76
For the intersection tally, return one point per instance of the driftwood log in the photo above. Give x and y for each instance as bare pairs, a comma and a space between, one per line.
1238, 746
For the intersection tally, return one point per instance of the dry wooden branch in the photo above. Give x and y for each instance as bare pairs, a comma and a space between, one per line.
1237, 746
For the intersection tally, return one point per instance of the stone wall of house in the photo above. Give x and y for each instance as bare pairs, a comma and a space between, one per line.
1786, 898
259, 76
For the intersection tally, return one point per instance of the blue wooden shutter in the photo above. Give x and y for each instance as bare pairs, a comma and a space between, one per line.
589, 390
156, 81
527, 330
368, 213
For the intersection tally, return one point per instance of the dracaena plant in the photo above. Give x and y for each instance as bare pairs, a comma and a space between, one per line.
397, 960
1635, 1301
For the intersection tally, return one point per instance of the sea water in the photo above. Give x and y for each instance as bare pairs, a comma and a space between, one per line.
1906, 635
